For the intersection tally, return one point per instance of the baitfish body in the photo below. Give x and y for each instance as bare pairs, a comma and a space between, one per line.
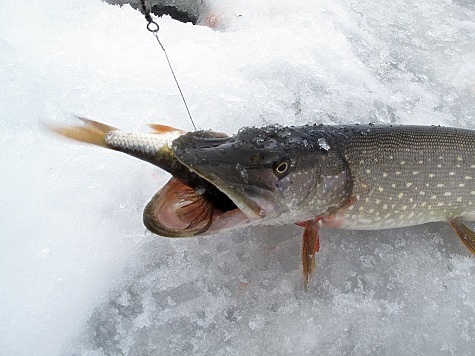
352, 177
184, 202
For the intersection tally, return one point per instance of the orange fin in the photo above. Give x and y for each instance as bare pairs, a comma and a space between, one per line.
466, 235
310, 245
92, 132
161, 129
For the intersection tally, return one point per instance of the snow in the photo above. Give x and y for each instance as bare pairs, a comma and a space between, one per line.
79, 273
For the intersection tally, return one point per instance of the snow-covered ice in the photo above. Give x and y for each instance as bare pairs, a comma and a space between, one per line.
79, 273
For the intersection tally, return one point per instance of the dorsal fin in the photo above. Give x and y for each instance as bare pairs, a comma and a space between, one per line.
161, 129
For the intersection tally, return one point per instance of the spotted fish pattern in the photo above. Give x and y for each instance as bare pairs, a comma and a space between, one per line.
408, 175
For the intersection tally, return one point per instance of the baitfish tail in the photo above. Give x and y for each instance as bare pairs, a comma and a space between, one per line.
92, 132
150, 147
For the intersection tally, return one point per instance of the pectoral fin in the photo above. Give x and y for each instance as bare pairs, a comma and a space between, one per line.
466, 235
310, 245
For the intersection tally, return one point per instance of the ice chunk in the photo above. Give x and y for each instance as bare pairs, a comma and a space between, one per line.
323, 144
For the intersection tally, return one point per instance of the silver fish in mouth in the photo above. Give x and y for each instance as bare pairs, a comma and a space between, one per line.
363, 177
187, 205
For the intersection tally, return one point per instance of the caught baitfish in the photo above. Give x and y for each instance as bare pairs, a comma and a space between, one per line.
187, 203
362, 177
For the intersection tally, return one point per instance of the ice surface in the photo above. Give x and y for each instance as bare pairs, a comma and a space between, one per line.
80, 275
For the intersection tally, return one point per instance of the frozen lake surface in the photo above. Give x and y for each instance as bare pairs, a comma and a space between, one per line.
79, 273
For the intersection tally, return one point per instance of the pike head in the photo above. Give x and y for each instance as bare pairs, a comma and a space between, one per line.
271, 175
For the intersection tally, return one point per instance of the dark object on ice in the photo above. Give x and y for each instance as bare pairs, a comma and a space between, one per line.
174, 13
180, 10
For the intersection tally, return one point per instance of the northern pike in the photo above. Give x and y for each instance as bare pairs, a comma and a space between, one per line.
360, 177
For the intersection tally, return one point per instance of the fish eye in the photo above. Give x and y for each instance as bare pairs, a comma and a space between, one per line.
281, 168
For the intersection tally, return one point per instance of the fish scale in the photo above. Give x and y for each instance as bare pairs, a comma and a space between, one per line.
409, 175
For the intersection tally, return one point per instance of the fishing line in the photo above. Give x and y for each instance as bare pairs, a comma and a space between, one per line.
153, 27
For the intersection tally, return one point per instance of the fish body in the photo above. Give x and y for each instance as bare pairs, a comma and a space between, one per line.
408, 175
362, 177
356, 177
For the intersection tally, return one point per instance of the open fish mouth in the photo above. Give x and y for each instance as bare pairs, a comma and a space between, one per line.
204, 203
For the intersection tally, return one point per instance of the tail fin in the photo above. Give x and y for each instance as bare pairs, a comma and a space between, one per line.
92, 132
